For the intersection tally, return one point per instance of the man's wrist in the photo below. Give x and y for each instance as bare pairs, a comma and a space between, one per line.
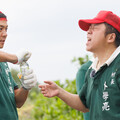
59, 91
25, 88
11, 58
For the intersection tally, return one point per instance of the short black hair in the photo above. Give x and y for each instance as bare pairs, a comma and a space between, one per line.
111, 29
2, 15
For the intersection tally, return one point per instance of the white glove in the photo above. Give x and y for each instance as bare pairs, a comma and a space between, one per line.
29, 80
23, 55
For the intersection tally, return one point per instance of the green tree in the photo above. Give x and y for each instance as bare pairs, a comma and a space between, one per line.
55, 108
81, 60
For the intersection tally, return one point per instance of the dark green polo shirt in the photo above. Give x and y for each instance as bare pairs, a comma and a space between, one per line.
8, 109
101, 91
80, 79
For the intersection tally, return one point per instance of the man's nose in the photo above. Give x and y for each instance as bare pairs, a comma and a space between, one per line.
4, 33
89, 31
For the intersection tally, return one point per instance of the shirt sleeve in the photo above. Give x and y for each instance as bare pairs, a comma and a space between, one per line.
80, 76
80, 79
83, 93
15, 85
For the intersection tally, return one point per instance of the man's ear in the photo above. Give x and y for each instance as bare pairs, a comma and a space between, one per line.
111, 37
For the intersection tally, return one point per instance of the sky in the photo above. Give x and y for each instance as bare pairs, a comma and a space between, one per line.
49, 29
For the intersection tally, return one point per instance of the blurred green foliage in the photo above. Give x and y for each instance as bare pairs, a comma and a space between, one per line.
14, 73
81, 60
55, 108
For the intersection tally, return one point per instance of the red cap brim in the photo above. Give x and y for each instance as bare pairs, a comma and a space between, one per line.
84, 24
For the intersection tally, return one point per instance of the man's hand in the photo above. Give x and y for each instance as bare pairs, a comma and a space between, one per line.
29, 80
50, 89
23, 56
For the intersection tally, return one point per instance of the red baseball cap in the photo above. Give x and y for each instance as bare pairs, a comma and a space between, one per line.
3, 16
103, 16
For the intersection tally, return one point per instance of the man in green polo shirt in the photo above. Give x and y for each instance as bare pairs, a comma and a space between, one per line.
100, 95
12, 97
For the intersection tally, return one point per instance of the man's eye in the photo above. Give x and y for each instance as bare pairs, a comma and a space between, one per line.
0, 29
